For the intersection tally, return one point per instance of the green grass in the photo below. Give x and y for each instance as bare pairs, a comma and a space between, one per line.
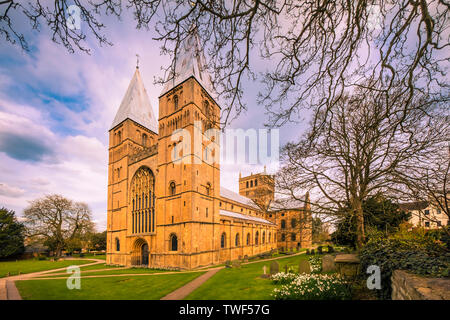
114, 288
242, 284
31, 265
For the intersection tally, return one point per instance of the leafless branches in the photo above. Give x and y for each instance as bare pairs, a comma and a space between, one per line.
314, 51
367, 148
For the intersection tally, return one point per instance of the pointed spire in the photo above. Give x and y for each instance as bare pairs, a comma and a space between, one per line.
136, 105
190, 62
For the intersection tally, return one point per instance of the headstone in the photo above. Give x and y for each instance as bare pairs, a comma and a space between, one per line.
328, 263
236, 264
274, 267
264, 275
228, 264
285, 268
304, 267
246, 258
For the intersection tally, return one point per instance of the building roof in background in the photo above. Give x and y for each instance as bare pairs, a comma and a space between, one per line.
136, 105
417, 205
231, 195
244, 217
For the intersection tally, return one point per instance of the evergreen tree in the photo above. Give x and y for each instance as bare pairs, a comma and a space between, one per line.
12, 234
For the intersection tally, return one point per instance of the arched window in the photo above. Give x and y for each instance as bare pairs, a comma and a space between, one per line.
119, 137
144, 140
208, 189
248, 238
222, 240
293, 237
270, 238
283, 224
246, 184
293, 222
256, 238
256, 182
251, 184
264, 237
172, 188
236, 240
173, 242
117, 244
175, 102
142, 198
283, 237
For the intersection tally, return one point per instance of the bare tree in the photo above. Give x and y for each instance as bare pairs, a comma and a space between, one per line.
57, 220
317, 49
362, 151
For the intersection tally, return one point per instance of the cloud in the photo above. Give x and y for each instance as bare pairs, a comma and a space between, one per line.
9, 191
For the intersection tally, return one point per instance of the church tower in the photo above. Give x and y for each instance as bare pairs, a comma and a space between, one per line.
188, 163
133, 132
259, 187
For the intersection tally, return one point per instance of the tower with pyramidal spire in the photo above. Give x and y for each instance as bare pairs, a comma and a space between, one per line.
166, 208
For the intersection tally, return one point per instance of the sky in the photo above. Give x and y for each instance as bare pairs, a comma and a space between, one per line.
56, 109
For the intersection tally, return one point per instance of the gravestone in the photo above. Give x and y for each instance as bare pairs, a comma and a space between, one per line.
236, 264
286, 269
228, 264
246, 258
328, 263
274, 267
304, 267
265, 275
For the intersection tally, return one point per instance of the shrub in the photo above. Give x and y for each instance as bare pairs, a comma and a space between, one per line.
314, 287
414, 253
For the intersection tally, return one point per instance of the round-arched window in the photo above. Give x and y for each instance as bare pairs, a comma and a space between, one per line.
222, 240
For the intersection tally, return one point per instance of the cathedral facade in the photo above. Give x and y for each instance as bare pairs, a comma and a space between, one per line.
166, 208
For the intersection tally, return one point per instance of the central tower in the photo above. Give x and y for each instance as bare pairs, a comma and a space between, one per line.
188, 163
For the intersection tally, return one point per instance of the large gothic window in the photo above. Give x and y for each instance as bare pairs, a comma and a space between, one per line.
143, 200
236, 241
256, 238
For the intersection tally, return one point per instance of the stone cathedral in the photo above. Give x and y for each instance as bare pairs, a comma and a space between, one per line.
165, 212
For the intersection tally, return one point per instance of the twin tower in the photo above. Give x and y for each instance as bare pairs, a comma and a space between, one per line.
167, 210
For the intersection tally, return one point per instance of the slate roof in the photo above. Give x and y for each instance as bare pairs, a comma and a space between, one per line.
244, 217
231, 195
190, 62
417, 205
136, 105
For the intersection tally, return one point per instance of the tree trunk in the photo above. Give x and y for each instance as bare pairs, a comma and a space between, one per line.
360, 236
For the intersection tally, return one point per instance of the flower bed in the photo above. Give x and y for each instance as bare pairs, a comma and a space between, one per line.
310, 287
316, 264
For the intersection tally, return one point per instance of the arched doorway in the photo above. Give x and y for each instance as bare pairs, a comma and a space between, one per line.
144, 254
140, 253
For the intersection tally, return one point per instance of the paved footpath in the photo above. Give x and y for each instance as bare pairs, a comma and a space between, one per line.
184, 291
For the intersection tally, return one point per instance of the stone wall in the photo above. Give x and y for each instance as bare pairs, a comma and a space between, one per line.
407, 286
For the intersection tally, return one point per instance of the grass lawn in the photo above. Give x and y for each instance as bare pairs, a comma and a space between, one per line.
114, 288
31, 265
242, 284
